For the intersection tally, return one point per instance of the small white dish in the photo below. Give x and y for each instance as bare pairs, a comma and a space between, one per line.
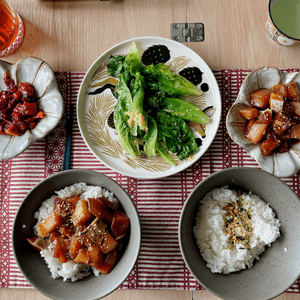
95, 103
280, 164
40, 74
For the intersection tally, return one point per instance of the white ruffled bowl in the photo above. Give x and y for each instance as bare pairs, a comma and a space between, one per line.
281, 165
38, 73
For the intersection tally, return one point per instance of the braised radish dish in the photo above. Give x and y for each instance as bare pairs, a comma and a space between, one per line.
274, 118
80, 231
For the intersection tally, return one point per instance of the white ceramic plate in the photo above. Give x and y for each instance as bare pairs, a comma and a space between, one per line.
280, 164
96, 102
38, 73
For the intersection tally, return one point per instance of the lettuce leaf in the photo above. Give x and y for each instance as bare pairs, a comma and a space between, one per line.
184, 110
169, 82
176, 135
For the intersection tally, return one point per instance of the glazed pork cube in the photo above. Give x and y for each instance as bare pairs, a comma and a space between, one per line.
293, 92
81, 213
265, 117
248, 126
110, 260
249, 113
276, 102
267, 146
75, 245
281, 123
260, 98
38, 243
280, 89
295, 132
60, 248
119, 224
100, 209
94, 233
297, 107
284, 146
255, 132
108, 243
96, 257
82, 256
49, 224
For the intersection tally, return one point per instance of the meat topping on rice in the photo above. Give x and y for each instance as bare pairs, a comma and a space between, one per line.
80, 230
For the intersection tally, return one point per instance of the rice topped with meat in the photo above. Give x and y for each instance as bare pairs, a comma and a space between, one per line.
70, 269
232, 229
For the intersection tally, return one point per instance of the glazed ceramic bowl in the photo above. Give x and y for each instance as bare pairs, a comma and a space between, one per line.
40, 75
278, 268
281, 165
33, 265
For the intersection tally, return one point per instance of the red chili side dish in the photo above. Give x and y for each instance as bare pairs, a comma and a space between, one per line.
18, 108
274, 118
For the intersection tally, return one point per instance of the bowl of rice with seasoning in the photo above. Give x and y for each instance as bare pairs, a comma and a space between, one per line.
239, 234
76, 235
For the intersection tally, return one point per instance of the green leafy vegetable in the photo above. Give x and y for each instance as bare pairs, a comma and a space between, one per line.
133, 59
128, 142
169, 82
150, 138
164, 154
115, 65
184, 110
176, 135
148, 111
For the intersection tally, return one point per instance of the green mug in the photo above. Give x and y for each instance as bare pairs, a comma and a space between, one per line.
282, 22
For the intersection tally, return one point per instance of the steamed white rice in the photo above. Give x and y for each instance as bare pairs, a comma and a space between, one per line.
70, 270
220, 255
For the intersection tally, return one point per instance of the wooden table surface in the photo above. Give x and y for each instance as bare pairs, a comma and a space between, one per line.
70, 35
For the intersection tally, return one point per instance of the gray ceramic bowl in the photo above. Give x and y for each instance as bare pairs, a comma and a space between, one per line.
32, 264
277, 269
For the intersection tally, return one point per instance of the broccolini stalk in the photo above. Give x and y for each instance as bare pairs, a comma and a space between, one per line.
169, 82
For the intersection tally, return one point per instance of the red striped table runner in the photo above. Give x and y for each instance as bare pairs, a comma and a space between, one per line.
159, 202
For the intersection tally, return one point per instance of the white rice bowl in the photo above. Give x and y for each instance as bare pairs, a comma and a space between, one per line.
70, 270
212, 240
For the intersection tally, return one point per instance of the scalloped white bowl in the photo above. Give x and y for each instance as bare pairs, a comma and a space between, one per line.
40, 74
280, 164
